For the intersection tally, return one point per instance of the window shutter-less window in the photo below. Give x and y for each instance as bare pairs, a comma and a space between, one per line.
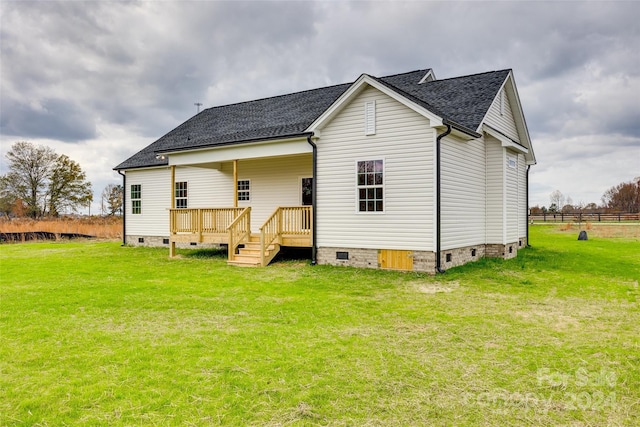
370, 118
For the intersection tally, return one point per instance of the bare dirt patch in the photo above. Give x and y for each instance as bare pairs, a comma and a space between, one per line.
434, 288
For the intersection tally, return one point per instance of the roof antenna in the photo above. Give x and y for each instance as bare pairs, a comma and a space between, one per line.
198, 104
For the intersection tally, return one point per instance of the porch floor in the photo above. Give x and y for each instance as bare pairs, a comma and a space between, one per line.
293, 240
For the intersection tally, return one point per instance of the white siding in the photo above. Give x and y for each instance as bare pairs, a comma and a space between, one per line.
275, 181
156, 199
404, 140
463, 192
495, 212
522, 196
208, 188
512, 200
205, 188
505, 122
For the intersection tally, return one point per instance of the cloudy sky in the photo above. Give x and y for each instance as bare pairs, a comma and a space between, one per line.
99, 81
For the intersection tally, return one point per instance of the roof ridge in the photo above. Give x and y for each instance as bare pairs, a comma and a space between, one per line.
471, 75
409, 96
309, 90
276, 96
402, 74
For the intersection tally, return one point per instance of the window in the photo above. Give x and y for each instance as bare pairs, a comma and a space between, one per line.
370, 180
181, 195
370, 118
136, 199
244, 190
512, 161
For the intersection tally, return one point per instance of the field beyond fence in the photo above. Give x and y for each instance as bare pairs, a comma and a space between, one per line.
98, 227
584, 216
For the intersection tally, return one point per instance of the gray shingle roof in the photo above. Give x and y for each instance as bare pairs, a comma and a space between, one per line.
463, 100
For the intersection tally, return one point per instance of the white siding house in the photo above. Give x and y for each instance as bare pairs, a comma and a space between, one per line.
403, 172
407, 157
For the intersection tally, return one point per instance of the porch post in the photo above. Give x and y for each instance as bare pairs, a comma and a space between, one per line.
173, 187
172, 244
235, 183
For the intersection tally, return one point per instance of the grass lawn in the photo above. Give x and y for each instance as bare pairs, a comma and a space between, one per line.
96, 334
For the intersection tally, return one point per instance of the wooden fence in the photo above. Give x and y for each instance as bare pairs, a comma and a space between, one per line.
584, 216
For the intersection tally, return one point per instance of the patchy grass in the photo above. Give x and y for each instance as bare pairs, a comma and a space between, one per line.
97, 334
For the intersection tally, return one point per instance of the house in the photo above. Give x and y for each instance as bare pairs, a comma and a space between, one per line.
403, 172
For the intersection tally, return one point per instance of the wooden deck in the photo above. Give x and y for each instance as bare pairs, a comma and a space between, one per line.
287, 226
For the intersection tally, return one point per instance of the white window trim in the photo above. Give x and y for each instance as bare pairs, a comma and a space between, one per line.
175, 198
132, 199
247, 191
384, 189
370, 117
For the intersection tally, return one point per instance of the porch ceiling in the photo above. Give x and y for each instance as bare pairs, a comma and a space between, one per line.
212, 157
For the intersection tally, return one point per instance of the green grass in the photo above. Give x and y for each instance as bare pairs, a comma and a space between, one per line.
95, 334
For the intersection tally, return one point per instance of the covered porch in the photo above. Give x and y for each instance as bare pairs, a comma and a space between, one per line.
269, 185
287, 226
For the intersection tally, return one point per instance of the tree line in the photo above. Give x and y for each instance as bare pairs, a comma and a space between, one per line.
40, 183
624, 197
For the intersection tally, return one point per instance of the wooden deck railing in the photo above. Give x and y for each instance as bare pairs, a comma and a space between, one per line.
202, 220
239, 231
293, 220
289, 225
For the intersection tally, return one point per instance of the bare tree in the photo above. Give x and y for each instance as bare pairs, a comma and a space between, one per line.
623, 197
42, 181
28, 176
557, 201
111, 200
568, 206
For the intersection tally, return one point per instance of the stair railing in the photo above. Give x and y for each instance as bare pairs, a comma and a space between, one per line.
292, 220
239, 231
269, 233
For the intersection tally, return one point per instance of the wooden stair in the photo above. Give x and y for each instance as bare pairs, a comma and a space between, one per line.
249, 255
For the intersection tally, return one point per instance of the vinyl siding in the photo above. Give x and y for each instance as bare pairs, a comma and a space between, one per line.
522, 196
512, 200
275, 181
495, 171
463, 192
505, 122
208, 188
154, 219
404, 140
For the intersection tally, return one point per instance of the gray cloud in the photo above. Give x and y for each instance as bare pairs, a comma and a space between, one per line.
121, 74
50, 118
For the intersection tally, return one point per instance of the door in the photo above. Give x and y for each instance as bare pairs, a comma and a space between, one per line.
306, 187
395, 259
306, 198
